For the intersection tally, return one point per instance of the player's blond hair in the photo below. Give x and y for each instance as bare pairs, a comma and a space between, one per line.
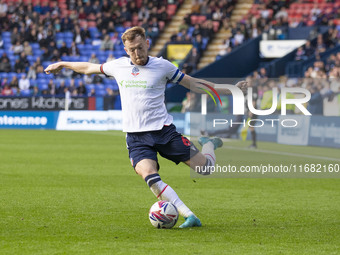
132, 33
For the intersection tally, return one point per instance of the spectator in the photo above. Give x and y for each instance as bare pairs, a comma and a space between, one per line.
224, 47
24, 61
55, 56
61, 89
143, 13
5, 66
3, 82
93, 59
19, 67
36, 92
81, 89
107, 44
309, 49
193, 59
92, 93
315, 104
32, 74
51, 87
17, 48
195, 7
24, 83
73, 50
14, 84
282, 14
27, 49
300, 54
110, 99
6, 91
3, 8
110, 58
63, 49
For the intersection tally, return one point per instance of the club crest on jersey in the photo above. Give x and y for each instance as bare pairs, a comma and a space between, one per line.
135, 71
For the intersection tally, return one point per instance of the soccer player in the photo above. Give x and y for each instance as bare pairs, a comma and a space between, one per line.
142, 80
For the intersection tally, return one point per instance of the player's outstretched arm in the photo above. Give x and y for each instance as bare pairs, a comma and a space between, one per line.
198, 85
79, 67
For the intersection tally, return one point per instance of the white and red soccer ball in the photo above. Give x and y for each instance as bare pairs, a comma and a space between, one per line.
163, 214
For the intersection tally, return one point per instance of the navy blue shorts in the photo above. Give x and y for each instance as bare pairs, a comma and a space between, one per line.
167, 142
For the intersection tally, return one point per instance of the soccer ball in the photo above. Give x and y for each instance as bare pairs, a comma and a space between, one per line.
163, 214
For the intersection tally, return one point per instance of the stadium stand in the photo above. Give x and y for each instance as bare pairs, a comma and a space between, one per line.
36, 33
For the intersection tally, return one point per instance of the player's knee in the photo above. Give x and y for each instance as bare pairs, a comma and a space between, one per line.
146, 167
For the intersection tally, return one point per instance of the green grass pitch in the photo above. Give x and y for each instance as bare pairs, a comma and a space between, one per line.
76, 193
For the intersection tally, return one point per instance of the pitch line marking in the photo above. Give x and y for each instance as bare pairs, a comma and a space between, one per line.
282, 153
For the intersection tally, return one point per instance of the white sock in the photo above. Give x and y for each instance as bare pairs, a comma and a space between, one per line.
209, 152
164, 192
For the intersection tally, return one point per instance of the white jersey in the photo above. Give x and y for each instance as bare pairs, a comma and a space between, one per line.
142, 91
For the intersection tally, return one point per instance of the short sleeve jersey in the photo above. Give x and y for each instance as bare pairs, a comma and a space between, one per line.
142, 91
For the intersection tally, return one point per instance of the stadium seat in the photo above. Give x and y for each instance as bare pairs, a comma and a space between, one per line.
118, 105
120, 29
37, 52
25, 93
6, 34
99, 87
35, 46
3, 75
100, 92
42, 86
68, 35
89, 87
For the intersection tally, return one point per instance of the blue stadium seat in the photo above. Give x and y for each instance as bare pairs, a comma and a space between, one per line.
118, 105
191, 30
35, 46
3, 75
46, 64
31, 59
11, 75
100, 92
6, 34
68, 35
68, 42
99, 87
88, 41
42, 86
80, 46
59, 36
120, 29
83, 58
107, 81
42, 75
25, 92
7, 40
67, 82
73, 58
77, 80
119, 53
94, 33
37, 52
102, 59
33, 82
65, 58
96, 47
110, 86
8, 47
89, 87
